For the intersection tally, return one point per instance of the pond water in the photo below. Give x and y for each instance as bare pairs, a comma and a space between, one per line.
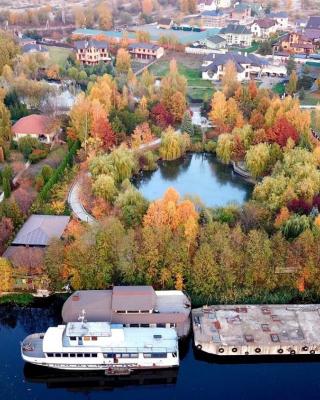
198, 175
198, 377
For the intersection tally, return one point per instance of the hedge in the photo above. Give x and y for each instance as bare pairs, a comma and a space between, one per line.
56, 176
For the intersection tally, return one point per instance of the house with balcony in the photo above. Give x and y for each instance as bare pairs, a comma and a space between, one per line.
281, 19
237, 35
145, 51
92, 52
295, 43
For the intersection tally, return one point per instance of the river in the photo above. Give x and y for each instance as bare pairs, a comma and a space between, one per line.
199, 175
198, 377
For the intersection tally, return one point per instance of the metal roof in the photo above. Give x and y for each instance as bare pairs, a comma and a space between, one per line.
236, 29
85, 44
141, 45
133, 298
38, 230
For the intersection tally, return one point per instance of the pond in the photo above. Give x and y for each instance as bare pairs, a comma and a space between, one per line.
199, 175
197, 377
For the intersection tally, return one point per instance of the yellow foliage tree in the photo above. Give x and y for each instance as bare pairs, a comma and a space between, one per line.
123, 61
6, 273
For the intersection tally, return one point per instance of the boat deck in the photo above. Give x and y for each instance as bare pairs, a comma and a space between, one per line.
32, 346
255, 329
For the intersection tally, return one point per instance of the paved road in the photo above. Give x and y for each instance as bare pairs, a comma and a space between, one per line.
76, 205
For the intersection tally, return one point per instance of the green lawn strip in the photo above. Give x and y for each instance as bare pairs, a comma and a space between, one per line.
59, 55
20, 299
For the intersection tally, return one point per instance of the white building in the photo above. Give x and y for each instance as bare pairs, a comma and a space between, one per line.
263, 28
281, 19
212, 5
247, 66
237, 35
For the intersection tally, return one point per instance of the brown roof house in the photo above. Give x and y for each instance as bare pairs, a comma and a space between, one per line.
146, 51
135, 306
27, 250
40, 127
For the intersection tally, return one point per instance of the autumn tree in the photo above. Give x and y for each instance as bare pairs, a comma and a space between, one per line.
123, 61
229, 79
141, 135
132, 205
258, 159
282, 131
101, 127
5, 125
147, 7
173, 144
178, 106
6, 272
292, 84
219, 110
172, 84
161, 116
104, 186
105, 16
225, 147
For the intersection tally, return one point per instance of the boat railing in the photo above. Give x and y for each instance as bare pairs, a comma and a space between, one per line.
137, 350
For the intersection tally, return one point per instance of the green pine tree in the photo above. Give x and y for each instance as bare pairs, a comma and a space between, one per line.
186, 124
6, 187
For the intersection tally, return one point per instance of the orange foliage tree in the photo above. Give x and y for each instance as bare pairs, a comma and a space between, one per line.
141, 135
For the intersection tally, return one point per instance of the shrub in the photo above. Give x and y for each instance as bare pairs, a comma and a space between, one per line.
295, 226
27, 144
37, 155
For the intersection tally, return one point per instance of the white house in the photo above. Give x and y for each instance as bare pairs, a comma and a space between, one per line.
36, 126
213, 19
263, 28
237, 35
212, 5
281, 19
247, 66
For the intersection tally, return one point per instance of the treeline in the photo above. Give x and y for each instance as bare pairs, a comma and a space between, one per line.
180, 247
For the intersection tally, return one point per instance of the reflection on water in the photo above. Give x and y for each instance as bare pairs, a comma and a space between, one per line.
197, 175
96, 380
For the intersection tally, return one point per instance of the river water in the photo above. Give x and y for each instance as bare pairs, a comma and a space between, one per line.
198, 377
199, 175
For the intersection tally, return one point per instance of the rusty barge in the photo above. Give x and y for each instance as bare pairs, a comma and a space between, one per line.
253, 330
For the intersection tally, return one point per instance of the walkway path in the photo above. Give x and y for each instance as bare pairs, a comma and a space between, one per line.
74, 200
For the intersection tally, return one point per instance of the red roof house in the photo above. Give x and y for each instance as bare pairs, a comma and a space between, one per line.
37, 126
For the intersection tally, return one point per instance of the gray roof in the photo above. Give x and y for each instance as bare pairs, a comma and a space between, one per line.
313, 23
164, 21
216, 39
38, 230
30, 259
33, 48
280, 14
84, 44
141, 45
238, 60
133, 298
236, 29
213, 13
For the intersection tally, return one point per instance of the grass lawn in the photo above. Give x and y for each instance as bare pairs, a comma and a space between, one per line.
251, 49
59, 55
198, 89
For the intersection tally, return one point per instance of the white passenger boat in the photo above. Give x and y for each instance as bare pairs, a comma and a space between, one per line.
102, 346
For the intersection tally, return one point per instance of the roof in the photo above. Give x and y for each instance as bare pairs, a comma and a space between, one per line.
235, 29
213, 13
280, 14
38, 230
33, 124
133, 298
312, 34
313, 23
238, 59
141, 45
88, 329
216, 39
33, 48
84, 44
164, 21
28, 259
265, 23
242, 7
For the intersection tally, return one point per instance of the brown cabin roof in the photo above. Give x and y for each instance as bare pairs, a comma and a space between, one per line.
133, 298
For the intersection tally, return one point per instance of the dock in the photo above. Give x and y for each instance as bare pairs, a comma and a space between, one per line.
244, 330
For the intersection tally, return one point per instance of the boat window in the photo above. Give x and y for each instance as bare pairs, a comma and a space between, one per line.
73, 338
144, 325
72, 355
94, 338
94, 355
107, 355
132, 312
134, 355
161, 325
147, 355
86, 338
87, 355
125, 355
134, 325
145, 311
158, 355
57, 354
79, 355
157, 336
49, 354
65, 355
121, 312
172, 325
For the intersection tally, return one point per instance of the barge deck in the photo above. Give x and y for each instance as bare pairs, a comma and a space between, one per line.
244, 330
